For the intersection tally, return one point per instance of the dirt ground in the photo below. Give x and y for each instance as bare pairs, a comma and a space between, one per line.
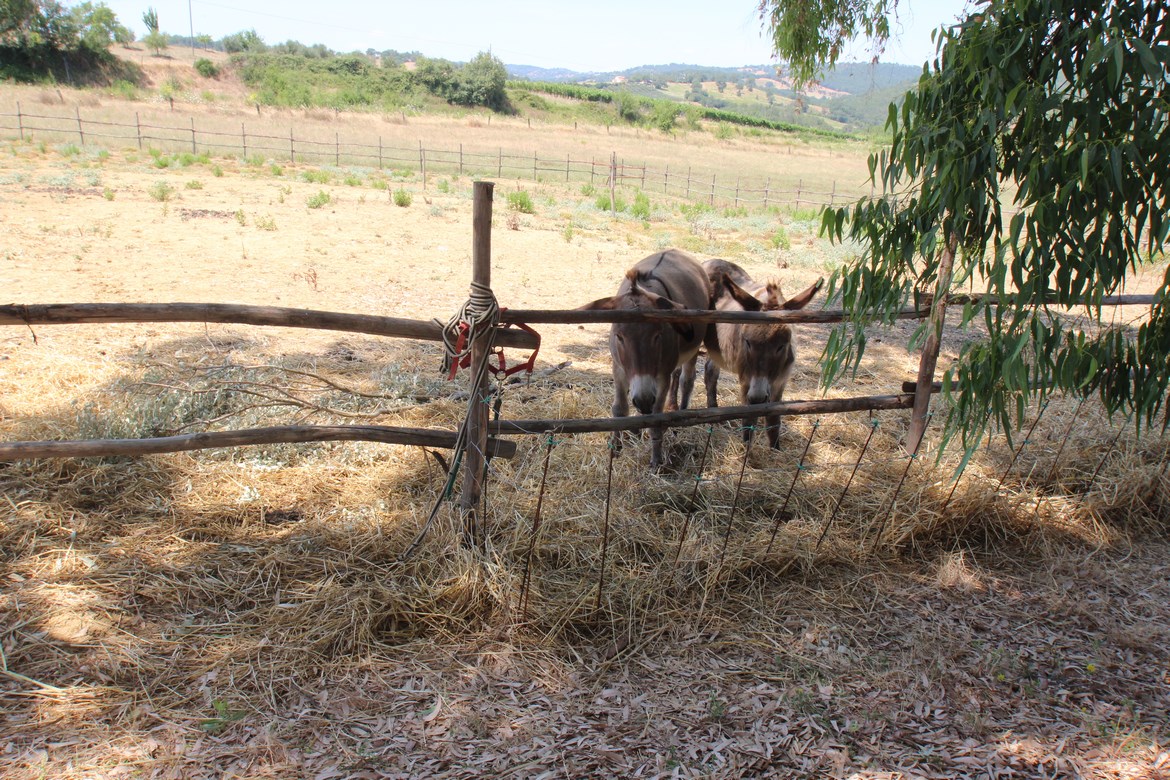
1042, 653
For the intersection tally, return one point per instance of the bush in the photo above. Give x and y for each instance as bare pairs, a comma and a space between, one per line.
603, 203
322, 198
780, 239
402, 198
206, 68
520, 201
161, 191
641, 207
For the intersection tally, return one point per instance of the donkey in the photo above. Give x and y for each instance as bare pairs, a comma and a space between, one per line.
761, 355
645, 355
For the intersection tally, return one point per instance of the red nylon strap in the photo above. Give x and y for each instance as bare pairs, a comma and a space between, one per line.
460, 343
501, 370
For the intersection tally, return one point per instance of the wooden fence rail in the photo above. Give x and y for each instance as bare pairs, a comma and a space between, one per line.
79, 313
287, 434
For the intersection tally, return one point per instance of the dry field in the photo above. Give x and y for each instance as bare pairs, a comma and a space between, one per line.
244, 613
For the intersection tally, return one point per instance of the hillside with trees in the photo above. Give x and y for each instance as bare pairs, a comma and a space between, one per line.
40, 40
43, 39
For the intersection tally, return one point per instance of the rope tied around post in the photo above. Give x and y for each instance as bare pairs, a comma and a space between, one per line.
480, 315
476, 318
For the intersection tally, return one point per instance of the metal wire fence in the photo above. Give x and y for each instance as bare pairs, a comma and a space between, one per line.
459, 159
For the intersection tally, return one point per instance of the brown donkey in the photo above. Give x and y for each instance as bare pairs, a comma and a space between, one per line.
761, 355
645, 355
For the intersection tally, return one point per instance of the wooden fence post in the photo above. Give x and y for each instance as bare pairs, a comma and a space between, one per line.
292, 149
566, 169
713, 189
926, 367
477, 423
613, 184
138, 129
500, 163
799, 185
767, 186
460, 159
194, 148
19, 120
244, 139
422, 162
80, 132
379, 153
337, 149
534, 166
737, 192
688, 182
666, 180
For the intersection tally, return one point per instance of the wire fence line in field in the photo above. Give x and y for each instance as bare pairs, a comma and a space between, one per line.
460, 159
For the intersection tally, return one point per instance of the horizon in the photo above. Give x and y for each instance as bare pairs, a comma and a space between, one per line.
606, 37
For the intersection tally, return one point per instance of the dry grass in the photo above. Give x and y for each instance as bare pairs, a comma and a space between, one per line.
246, 613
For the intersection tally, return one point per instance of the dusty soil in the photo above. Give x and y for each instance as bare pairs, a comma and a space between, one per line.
152, 628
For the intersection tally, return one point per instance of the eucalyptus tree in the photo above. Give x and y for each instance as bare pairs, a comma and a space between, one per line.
1034, 155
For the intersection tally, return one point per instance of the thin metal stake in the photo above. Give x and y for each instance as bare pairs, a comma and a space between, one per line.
747, 448
913, 456
605, 529
535, 530
795, 477
1105, 457
1059, 451
1024, 443
694, 494
959, 476
873, 427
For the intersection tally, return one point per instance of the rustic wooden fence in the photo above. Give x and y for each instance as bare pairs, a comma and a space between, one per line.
477, 438
461, 159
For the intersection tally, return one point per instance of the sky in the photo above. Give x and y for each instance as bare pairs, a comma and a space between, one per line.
592, 36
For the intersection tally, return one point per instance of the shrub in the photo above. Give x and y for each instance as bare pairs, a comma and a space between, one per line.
641, 207
317, 177
402, 198
603, 203
161, 191
444, 186
521, 201
194, 184
317, 201
125, 90
779, 239
207, 69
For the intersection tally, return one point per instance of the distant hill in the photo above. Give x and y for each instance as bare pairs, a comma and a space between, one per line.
853, 78
853, 97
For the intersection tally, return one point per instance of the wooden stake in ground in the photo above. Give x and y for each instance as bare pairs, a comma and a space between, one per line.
481, 276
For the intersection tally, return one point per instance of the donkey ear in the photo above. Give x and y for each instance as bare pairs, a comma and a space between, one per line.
744, 298
601, 304
804, 298
662, 302
774, 299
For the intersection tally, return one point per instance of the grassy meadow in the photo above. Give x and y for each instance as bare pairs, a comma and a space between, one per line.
833, 608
